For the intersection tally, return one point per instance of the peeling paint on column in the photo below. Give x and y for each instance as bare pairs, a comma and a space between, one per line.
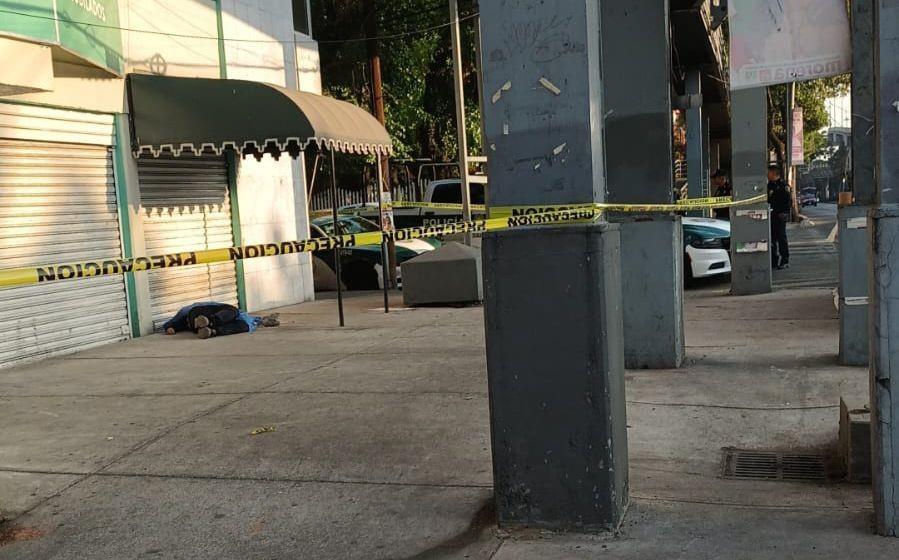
499, 93
550, 86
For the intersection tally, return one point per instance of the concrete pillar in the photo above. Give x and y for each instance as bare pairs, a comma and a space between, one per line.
637, 105
552, 294
884, 224
750, 225
695, 135
851, 220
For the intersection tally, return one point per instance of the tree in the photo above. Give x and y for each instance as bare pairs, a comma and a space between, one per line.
811, 96
416, 67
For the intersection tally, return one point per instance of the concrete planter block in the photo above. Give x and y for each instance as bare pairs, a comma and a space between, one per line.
855, 440
448, 275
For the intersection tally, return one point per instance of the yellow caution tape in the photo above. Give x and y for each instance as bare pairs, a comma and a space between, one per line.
502, 211
438, 206
710, 201
109, 267
680, 206
479, 208
523, 216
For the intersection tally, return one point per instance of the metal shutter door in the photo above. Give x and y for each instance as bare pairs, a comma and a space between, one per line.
186, 207
58, 204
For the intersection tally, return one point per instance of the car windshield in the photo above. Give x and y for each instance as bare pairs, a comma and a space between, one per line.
348, 226
706, 232
351, 226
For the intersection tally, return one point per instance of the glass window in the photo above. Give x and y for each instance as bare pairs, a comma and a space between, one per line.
353, 226
447, 193
300, 17
451, 193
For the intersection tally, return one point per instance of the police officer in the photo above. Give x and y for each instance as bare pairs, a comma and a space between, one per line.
781, 202
722, 189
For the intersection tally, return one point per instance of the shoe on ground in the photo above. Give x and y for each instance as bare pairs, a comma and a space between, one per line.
201, 322
205, 332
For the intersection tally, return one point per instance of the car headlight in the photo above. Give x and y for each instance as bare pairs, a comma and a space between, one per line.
708, 243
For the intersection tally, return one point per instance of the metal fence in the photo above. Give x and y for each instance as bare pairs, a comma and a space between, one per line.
321, 198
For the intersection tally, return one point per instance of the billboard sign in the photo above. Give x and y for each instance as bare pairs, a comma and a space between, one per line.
781, 41
88, 29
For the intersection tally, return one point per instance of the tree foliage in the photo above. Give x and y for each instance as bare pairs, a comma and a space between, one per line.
416, 68
811, 96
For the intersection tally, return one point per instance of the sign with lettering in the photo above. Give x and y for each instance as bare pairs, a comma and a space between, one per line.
88, 29
776, 42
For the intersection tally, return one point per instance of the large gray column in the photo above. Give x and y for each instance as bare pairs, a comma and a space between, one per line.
695, 134
750, 225
637, 106
852, 220
884, 224
552, 294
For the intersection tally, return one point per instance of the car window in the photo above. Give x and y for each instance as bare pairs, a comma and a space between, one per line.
451, 193
447, 193
704, 232
324, 229
356, 225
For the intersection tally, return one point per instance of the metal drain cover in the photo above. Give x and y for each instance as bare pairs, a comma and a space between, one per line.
774, 465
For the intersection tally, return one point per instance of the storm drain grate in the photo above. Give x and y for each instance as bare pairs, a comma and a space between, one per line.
774, 465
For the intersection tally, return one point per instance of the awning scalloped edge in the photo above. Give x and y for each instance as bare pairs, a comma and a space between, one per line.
251, 147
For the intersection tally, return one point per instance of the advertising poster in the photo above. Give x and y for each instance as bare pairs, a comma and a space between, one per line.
781, 41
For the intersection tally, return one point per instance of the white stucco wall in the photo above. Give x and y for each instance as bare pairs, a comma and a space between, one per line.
147, 50
271, 193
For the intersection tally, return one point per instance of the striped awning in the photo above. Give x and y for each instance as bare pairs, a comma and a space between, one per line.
197, 115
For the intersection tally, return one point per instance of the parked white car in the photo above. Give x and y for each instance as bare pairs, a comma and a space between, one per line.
706, 247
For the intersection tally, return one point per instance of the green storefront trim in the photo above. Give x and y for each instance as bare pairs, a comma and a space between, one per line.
223, 64
235, 229
88, 29
232, 171
120, 152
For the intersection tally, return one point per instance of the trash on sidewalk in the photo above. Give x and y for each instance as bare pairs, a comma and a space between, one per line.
263, 430
272, 320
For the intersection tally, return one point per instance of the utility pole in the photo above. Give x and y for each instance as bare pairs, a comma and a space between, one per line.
377, 102
460, 113
790, 104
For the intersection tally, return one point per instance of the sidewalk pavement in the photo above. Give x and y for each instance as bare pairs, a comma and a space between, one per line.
381, 444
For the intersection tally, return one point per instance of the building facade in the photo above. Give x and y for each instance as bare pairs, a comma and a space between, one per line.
72, 187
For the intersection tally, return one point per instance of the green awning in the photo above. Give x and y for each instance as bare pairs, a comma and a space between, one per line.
175, 115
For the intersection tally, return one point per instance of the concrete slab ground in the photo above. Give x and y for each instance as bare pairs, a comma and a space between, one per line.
381, 442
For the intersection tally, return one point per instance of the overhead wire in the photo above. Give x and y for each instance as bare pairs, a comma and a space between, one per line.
388, 37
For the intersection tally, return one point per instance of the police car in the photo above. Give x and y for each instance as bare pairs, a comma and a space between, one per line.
360, 267
706, 247
444, 191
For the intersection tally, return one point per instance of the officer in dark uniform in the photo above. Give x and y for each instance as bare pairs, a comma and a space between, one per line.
722, 189
781, 202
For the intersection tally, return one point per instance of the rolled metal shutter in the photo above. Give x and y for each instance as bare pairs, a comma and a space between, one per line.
186, 207
58, 204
